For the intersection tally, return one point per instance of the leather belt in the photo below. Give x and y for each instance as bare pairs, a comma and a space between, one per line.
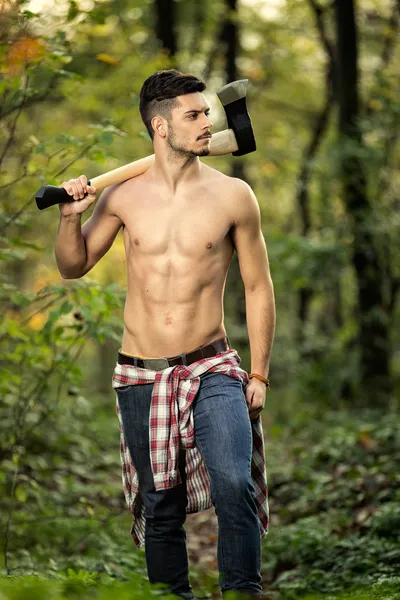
158, 364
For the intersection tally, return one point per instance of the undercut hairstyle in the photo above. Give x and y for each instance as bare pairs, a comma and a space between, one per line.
159, 92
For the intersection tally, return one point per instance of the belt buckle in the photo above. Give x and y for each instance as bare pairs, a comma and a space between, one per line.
156, 364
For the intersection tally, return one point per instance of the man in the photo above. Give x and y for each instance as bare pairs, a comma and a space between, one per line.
189, 415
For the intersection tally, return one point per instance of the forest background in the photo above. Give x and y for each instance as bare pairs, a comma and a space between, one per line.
324, 100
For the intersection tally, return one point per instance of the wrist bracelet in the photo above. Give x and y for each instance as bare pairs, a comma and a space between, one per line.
261, 378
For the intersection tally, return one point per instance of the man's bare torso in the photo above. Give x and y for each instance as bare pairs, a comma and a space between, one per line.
178, 250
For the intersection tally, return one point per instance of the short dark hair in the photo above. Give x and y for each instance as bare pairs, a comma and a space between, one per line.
159, 92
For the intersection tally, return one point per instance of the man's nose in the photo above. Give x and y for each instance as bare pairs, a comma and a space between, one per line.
208, 123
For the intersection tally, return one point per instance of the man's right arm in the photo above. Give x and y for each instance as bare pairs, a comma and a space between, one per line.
79, 248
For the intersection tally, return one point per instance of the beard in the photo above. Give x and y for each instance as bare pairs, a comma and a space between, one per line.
179, 149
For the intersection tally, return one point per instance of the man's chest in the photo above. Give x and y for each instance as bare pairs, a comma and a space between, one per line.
192, 228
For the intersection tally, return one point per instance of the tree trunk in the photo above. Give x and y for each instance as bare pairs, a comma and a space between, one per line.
372, 317
166, 26
230, 37
302, 195
303, 179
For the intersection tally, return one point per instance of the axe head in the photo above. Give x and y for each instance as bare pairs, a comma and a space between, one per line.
233, 99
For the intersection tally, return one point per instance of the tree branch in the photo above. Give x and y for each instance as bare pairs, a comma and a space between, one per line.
319, 128
80, 155
32, 100
310, 152
14, 124
6, 185
325, 41
60, 172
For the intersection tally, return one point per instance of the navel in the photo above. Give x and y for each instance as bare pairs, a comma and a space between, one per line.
168, 319
209, 245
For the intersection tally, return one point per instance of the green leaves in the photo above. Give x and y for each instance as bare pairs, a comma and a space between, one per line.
73, 10
74, 584
307, 261
38, 367
333, 527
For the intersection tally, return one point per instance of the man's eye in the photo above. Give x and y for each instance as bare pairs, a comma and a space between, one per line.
193, 116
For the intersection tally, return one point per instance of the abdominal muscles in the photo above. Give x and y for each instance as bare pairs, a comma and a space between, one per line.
174, 301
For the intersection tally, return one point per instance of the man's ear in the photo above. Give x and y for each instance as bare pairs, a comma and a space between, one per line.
159, 126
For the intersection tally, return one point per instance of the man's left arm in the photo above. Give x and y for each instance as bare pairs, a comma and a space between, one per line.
259, 291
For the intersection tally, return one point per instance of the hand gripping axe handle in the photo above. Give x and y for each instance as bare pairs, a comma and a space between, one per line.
238, 139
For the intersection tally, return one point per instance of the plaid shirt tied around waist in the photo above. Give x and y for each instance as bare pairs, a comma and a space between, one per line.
171, 426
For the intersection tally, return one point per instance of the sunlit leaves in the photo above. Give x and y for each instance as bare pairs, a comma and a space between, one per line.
22, 52
107, 58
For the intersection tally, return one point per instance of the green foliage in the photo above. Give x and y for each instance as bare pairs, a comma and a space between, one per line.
386, 589
85, 585
335, 494
307, 259
51, 445
69, 104
334, 506
79, 584
40, 386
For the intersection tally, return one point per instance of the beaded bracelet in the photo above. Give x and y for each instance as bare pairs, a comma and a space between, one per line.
261, 378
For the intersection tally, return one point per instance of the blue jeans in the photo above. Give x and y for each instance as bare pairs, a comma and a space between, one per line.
224, 439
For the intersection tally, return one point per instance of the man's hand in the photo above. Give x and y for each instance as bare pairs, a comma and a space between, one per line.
77, 188
255, 393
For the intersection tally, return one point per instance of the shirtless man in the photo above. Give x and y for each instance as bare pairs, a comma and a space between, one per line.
182, 221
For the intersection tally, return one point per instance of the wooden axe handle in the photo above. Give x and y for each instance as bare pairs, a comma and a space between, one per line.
223, 142
133, 169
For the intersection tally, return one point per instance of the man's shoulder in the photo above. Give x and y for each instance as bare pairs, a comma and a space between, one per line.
232, 184
116, 195
109, 199
236, 194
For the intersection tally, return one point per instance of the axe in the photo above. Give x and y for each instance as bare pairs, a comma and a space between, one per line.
238, 139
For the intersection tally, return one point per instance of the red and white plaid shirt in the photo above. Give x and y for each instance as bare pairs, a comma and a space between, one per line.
171, 425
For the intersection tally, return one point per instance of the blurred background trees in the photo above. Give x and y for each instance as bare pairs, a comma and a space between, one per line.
324, 100
323, 81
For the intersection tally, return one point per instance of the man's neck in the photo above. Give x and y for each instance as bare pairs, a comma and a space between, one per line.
175, 169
